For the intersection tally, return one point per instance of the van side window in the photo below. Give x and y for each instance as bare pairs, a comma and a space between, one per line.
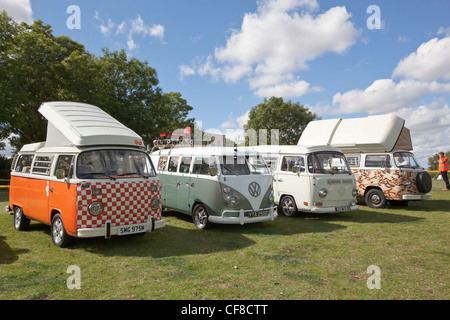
201, 165
24, 163
289, 162
353, 161
271, 163
173, 164
162, 163
64, 162
378, 161
42, 165
185, 164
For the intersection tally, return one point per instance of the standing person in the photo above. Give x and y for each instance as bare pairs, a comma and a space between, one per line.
443, 169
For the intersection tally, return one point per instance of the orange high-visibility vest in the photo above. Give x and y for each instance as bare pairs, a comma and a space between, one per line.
443, 164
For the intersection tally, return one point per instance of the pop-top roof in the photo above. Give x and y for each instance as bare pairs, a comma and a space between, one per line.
381, 133
81, 124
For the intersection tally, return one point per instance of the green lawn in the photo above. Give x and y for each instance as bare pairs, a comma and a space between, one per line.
306, 257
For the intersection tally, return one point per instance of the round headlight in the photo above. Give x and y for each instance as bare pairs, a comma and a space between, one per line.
155, 203
95, 208
323, 193
271, 198
354, 192
408, 183
154, 188
233, 200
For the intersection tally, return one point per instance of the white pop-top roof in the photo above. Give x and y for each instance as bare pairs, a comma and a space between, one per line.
381, 133
81, 124
292, 149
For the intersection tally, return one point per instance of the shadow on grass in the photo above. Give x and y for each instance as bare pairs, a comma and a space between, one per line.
9, 255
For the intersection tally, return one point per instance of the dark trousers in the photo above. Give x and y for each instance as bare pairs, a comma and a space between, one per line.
445, 178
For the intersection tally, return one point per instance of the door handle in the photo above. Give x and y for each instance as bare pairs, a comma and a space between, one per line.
192, 185
178, 183
51, 189
280, 180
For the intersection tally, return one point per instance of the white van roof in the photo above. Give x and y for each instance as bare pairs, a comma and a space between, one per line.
81, 124
380, 133
205, 151
292, 149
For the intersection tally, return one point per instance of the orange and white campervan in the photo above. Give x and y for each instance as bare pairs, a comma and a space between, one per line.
90, 178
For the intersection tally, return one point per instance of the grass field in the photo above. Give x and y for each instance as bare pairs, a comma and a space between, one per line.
307, 257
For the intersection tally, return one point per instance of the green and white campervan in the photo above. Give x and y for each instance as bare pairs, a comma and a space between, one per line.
216, 184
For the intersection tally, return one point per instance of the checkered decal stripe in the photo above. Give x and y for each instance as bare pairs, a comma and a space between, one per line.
124, 203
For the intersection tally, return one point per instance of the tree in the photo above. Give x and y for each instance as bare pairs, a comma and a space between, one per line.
36, 66
290, 118
433, 162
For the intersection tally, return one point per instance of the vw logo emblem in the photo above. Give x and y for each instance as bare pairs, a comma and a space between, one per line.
254, 189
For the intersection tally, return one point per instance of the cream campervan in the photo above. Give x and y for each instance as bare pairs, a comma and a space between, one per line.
90, 178
378, 149
215, 185
313, 179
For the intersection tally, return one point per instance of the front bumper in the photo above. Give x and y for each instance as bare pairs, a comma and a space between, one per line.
107, 231
333, 209
416, 196
241, 218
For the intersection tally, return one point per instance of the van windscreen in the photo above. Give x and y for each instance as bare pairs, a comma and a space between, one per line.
243, 165
328, 163
112, 163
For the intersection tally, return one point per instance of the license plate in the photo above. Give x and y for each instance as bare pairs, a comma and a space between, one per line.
342, 209
257, 214
135, 228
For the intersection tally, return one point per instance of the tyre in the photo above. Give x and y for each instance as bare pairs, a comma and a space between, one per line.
200, 217
423, 182
375, 199
21, 223
288, 207
60, 237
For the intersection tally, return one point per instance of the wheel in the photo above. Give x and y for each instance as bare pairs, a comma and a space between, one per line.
60, 237
375, 198
200, 217
21, 222
288, 207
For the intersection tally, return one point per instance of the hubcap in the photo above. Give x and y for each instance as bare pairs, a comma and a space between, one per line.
200, 216
17, 218
57, 231
375, 199
288, 207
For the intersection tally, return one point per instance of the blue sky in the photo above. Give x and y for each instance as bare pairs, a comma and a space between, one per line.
224, 57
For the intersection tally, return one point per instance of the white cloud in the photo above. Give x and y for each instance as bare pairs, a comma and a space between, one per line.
132, 28
445, 31
385, 95
430, 61
18, 10
277, 42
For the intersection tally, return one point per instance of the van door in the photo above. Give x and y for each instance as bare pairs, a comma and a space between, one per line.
183, 183
292, 179
40, 189
62, 195
172, 182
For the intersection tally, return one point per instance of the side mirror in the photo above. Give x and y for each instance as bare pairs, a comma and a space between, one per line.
212, 171
297, 169
60, 174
